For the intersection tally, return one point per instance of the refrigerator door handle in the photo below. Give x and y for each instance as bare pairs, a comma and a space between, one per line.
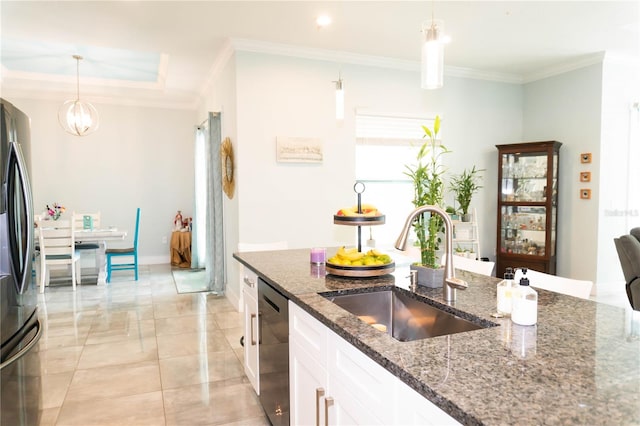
22, 352
23, 276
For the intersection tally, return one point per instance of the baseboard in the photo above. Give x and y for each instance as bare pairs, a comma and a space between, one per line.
233, 298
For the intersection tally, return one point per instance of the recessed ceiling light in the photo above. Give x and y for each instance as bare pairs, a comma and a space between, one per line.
323, 21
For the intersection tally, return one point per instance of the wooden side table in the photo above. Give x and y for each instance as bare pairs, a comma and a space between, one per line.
181, 249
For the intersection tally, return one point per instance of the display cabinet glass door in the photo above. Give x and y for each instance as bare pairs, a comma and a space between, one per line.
527, 206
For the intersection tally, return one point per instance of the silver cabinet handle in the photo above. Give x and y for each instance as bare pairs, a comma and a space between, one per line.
319, 394
253, 339
328, 401
248, 281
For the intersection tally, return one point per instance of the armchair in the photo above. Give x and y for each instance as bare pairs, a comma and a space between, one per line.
628, 247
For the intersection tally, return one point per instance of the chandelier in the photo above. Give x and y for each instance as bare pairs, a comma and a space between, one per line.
75, 116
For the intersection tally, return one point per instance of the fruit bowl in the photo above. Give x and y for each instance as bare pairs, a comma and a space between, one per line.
351, 263
366, 215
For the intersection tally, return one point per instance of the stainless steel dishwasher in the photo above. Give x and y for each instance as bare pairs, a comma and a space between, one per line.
274, 353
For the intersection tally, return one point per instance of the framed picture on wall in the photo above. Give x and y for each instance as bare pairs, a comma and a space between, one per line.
298, 150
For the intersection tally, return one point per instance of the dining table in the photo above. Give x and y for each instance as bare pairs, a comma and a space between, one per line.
101, 237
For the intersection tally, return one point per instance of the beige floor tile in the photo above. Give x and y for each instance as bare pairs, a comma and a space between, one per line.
202, 368
128, 313
186, 324
53, 361
48, 416
233, 336
218, 304
175, 345
209, 404
139, 410
255, 421
125, 352
229, 319
114, 381
192, 305
121, 331
54, 388
56, 342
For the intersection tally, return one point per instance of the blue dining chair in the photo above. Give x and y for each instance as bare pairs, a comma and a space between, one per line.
117, 252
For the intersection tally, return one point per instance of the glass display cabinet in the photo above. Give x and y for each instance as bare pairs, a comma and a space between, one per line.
527, 206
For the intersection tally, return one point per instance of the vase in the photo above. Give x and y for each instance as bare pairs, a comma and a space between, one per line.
429, 277
467, 217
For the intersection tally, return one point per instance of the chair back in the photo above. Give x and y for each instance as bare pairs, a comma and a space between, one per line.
471, 265
79, 220
56, 240
135, 236
568, 286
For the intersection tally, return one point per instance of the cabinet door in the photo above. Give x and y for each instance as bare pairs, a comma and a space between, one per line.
251, 343
362, 389
307, 367
307, 387
414, 409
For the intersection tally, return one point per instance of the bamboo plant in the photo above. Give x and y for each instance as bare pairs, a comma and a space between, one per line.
428, 184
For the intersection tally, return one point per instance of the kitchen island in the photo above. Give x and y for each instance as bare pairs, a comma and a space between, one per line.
577, 366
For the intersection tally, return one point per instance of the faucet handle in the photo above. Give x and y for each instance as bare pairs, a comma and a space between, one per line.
454, 282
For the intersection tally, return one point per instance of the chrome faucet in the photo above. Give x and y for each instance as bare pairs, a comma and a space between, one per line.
449, 283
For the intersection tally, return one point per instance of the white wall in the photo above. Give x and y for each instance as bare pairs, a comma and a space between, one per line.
139, 157
567, 108
286, 96
619, 207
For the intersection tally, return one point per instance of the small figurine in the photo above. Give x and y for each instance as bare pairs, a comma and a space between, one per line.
177, 221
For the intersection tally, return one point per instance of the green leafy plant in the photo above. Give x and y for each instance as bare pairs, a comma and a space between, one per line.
427, 176
464, 186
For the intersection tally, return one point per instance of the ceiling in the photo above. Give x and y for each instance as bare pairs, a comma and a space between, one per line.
163, 52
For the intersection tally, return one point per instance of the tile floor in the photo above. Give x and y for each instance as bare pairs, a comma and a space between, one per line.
138, 353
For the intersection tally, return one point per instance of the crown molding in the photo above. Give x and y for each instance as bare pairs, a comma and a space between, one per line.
221, 60
584, 61
257, 46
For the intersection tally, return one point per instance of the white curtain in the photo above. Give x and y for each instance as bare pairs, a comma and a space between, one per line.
207, 245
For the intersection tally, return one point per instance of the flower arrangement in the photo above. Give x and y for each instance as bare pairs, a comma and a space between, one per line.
55, 210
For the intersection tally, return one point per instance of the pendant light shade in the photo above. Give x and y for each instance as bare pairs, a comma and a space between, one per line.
75, 116
339, 99
432, 65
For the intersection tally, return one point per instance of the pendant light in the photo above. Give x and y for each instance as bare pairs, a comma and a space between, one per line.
432, 64
75, 116
339, 99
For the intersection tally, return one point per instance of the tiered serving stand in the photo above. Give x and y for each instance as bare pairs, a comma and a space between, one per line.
359, 221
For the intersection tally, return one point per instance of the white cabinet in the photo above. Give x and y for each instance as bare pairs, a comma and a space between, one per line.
415, 410
251, 324
333, 383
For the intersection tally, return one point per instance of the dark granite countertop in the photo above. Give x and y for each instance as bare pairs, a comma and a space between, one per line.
579, 365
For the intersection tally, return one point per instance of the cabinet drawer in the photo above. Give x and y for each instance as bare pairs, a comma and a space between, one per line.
249, 281
309, 333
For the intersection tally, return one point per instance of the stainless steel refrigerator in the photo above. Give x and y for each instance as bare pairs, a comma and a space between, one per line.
20, 386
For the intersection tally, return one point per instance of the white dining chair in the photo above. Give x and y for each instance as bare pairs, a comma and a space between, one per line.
568, 286
83, 221
57, 248
477, 266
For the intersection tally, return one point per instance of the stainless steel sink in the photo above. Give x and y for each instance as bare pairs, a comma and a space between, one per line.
401, 315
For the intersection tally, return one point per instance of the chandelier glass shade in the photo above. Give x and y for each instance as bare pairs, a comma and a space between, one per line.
432, 64
77, 117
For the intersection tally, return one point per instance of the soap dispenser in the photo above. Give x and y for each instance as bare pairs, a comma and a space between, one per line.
524, 308
504, 293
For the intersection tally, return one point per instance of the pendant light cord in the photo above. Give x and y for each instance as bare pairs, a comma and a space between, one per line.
77, 58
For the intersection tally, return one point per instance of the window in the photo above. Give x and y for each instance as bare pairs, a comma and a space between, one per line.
384, 146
